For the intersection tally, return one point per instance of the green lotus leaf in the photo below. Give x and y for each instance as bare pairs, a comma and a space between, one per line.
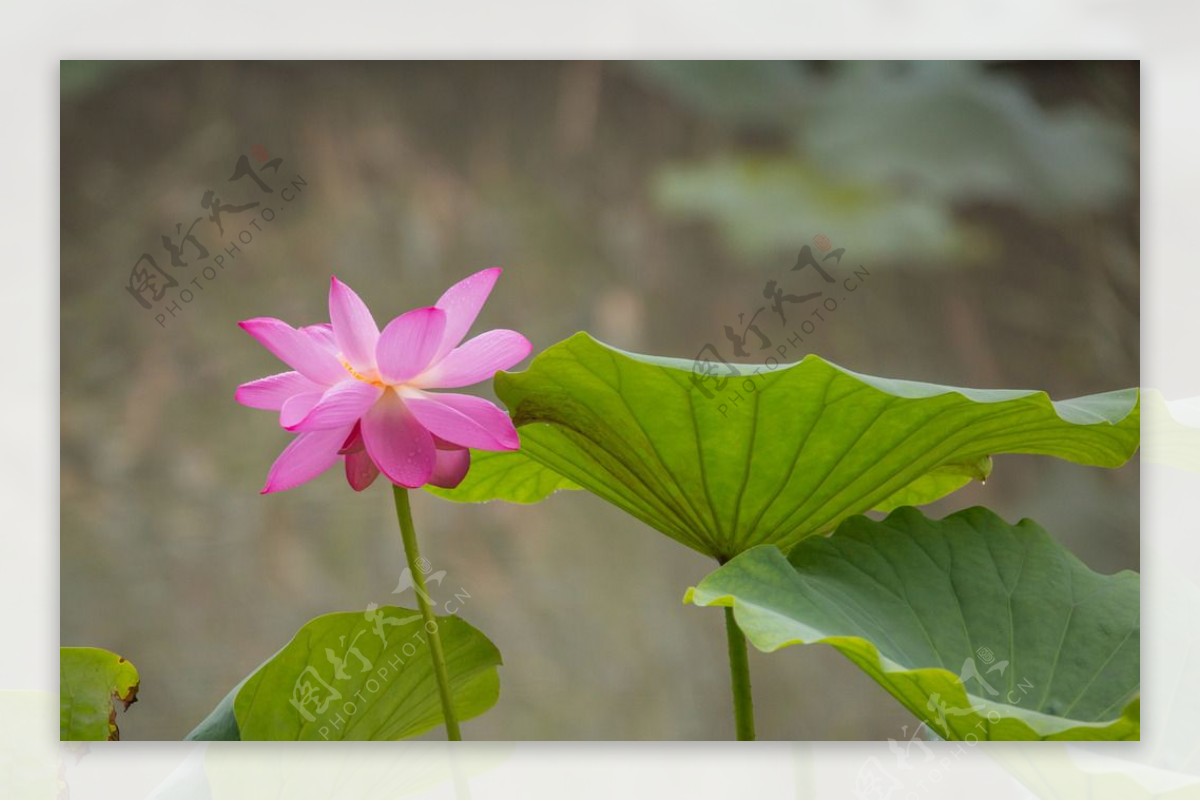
808, 446
937, 483
982, 629
358, 676
506, 476
90, 681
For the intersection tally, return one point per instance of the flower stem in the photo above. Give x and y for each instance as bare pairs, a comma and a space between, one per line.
739, 674
409, 536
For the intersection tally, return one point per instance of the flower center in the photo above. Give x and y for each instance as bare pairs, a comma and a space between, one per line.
366, 378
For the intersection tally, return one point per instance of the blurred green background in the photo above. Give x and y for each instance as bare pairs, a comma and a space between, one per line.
995, 206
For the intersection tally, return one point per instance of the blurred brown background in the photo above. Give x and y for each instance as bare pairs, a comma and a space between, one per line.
995, 205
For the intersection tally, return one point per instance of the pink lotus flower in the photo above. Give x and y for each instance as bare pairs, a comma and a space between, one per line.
362, 395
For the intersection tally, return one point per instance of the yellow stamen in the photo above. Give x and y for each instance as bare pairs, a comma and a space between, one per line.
374, 381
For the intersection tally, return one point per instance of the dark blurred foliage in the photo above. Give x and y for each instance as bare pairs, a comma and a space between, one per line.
995, 206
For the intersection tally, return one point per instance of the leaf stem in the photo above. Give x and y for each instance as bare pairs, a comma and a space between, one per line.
739, 675
409, 536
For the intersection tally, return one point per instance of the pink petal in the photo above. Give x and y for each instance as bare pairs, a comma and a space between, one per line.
476, 360
354, 328
297, 407
308, 456
409, 342
341, 405
354, 442
398, 445
464, 420
462, 303
272, 391
297, 349
452, 466
322, 334
361, 472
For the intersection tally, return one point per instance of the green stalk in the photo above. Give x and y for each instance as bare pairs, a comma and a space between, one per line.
409, 535
739, 675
